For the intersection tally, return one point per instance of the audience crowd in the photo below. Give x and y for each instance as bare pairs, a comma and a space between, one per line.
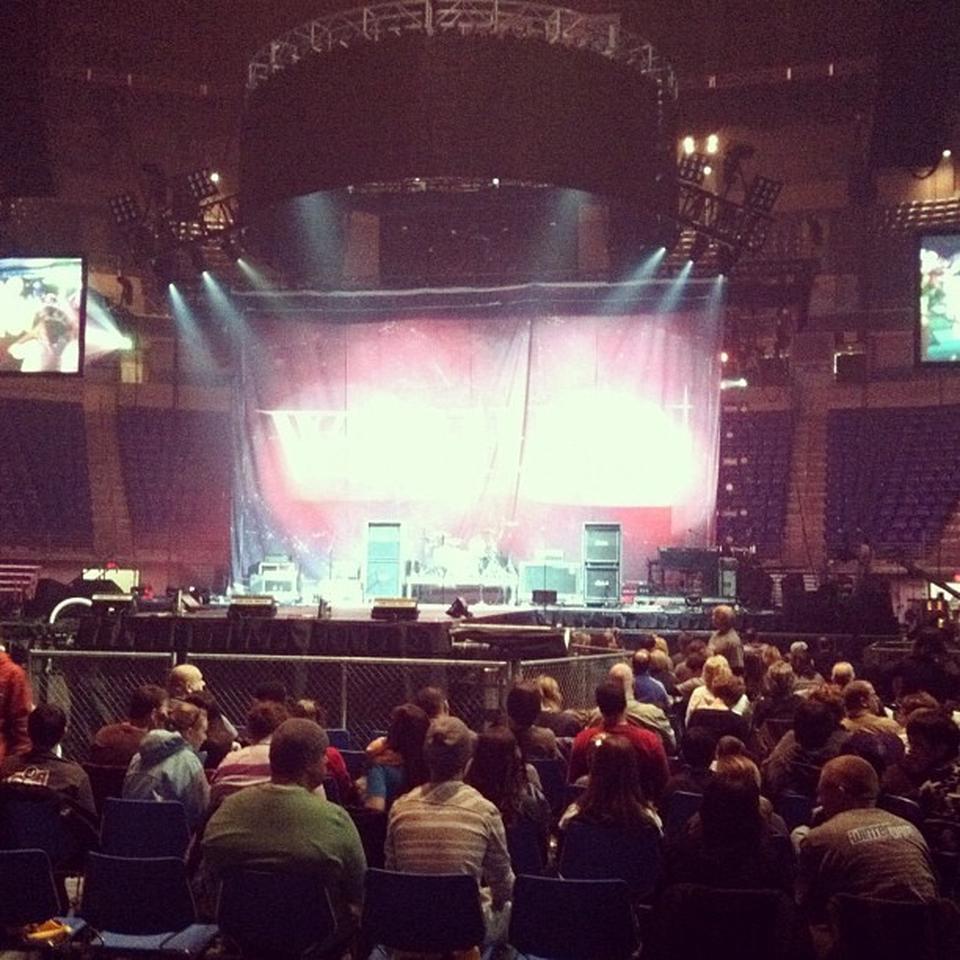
729, 765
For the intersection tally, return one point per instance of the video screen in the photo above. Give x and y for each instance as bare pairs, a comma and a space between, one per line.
41, 315
939, 298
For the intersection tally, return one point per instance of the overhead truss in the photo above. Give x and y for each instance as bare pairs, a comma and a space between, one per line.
599, 33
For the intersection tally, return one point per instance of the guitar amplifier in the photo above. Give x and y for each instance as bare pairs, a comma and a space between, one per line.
252, 606
393, 609
601, 543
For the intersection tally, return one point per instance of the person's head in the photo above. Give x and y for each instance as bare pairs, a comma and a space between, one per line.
523, 704
716, 667
800, 659
770, 654
933, 737
780, 680
729, 746
615, 793
298, 753
497, 770
622, 673
830, 697
660, 645
612, 700
206, 701
722, 618
405, 734
550, 696
695, 661
660, 662
911, 702
729, 689
271, 691
878, 749
148, 707
698, 748
847, 783
46, 726
813, 723
183, 680
859, 698
646, 641
730, 812
190, 721
308, 709
641, 663
432, 701
264, 717
447, 748
842, 673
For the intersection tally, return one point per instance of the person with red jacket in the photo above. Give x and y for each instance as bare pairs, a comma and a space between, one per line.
651, 758
16, 702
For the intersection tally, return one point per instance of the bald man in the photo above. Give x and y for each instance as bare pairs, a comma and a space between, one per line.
646, 715
725, 640
859, 849
184, 680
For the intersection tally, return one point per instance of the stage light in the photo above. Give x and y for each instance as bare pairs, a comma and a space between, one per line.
707, 170
125, 209
724, 356
689, 145
947, 153
201, 184
699, 247
762, 194
690, 168
214, 177
496, 181
458, 609
713, 143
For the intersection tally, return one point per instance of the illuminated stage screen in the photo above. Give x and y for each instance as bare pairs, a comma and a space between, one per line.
939, 298
490, 441
41, 315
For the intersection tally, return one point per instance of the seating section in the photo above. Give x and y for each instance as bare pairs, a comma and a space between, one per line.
891, 478
752, 483
44, 481
177, 468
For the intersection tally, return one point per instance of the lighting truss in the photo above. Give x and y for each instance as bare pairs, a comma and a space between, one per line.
200, 185
602, 34
762, 194
692, 167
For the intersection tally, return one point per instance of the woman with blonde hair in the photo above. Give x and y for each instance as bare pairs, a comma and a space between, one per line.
714, 670
563, 723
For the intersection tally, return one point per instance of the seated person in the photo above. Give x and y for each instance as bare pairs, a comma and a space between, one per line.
249, 765
167, 766
645, 688
564, 723
714, 669
523, 709
718, 716
432, 701
42, 766
282, 825
309, 709
221, 733
645, 715
779, 700
398, 765
863, 711
935, 749
115, 744
697, 752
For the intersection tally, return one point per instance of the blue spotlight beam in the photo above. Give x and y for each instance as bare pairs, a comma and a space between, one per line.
672, 295
232, 320
195, 345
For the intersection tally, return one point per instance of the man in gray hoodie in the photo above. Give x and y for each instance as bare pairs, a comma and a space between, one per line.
167, 766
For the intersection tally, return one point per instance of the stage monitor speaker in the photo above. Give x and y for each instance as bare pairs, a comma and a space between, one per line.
544, 597
111, 604
601, 543
252, 606
393, 609
601, 583
560, 578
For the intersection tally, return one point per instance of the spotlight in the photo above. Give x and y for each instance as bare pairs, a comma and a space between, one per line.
125, 209
689, 145
713, 144
202, 185
690, 168
947, 153
707, 170
724, 356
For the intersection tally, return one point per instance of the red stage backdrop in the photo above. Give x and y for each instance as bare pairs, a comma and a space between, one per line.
490, 440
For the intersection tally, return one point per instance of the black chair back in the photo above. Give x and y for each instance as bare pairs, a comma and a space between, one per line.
28, 892
678, 808
422, 913
553, 779
525, 843
273, 914
868, 929
572, 919
592, 852
105, 781
144, 828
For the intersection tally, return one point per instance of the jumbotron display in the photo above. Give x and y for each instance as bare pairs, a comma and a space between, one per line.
939, 298
42, 314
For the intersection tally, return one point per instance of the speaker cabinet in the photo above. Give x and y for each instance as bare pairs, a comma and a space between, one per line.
601, 583
383, 567
601, 543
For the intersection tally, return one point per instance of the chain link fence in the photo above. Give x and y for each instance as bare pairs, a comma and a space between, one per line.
357, 693
577, 676
92, 687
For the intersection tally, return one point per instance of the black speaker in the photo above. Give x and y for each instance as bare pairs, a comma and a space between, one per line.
601, 583
601, 543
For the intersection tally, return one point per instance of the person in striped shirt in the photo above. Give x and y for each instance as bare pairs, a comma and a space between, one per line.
446, 826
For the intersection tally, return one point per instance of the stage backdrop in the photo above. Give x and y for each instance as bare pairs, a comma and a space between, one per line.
491, 440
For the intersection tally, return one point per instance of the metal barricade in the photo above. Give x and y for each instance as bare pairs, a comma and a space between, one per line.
357, 693
92, 686
578, 677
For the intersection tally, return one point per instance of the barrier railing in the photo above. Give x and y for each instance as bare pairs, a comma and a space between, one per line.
92, 686
357, 693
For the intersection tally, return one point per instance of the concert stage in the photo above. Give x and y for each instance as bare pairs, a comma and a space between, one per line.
494, 630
